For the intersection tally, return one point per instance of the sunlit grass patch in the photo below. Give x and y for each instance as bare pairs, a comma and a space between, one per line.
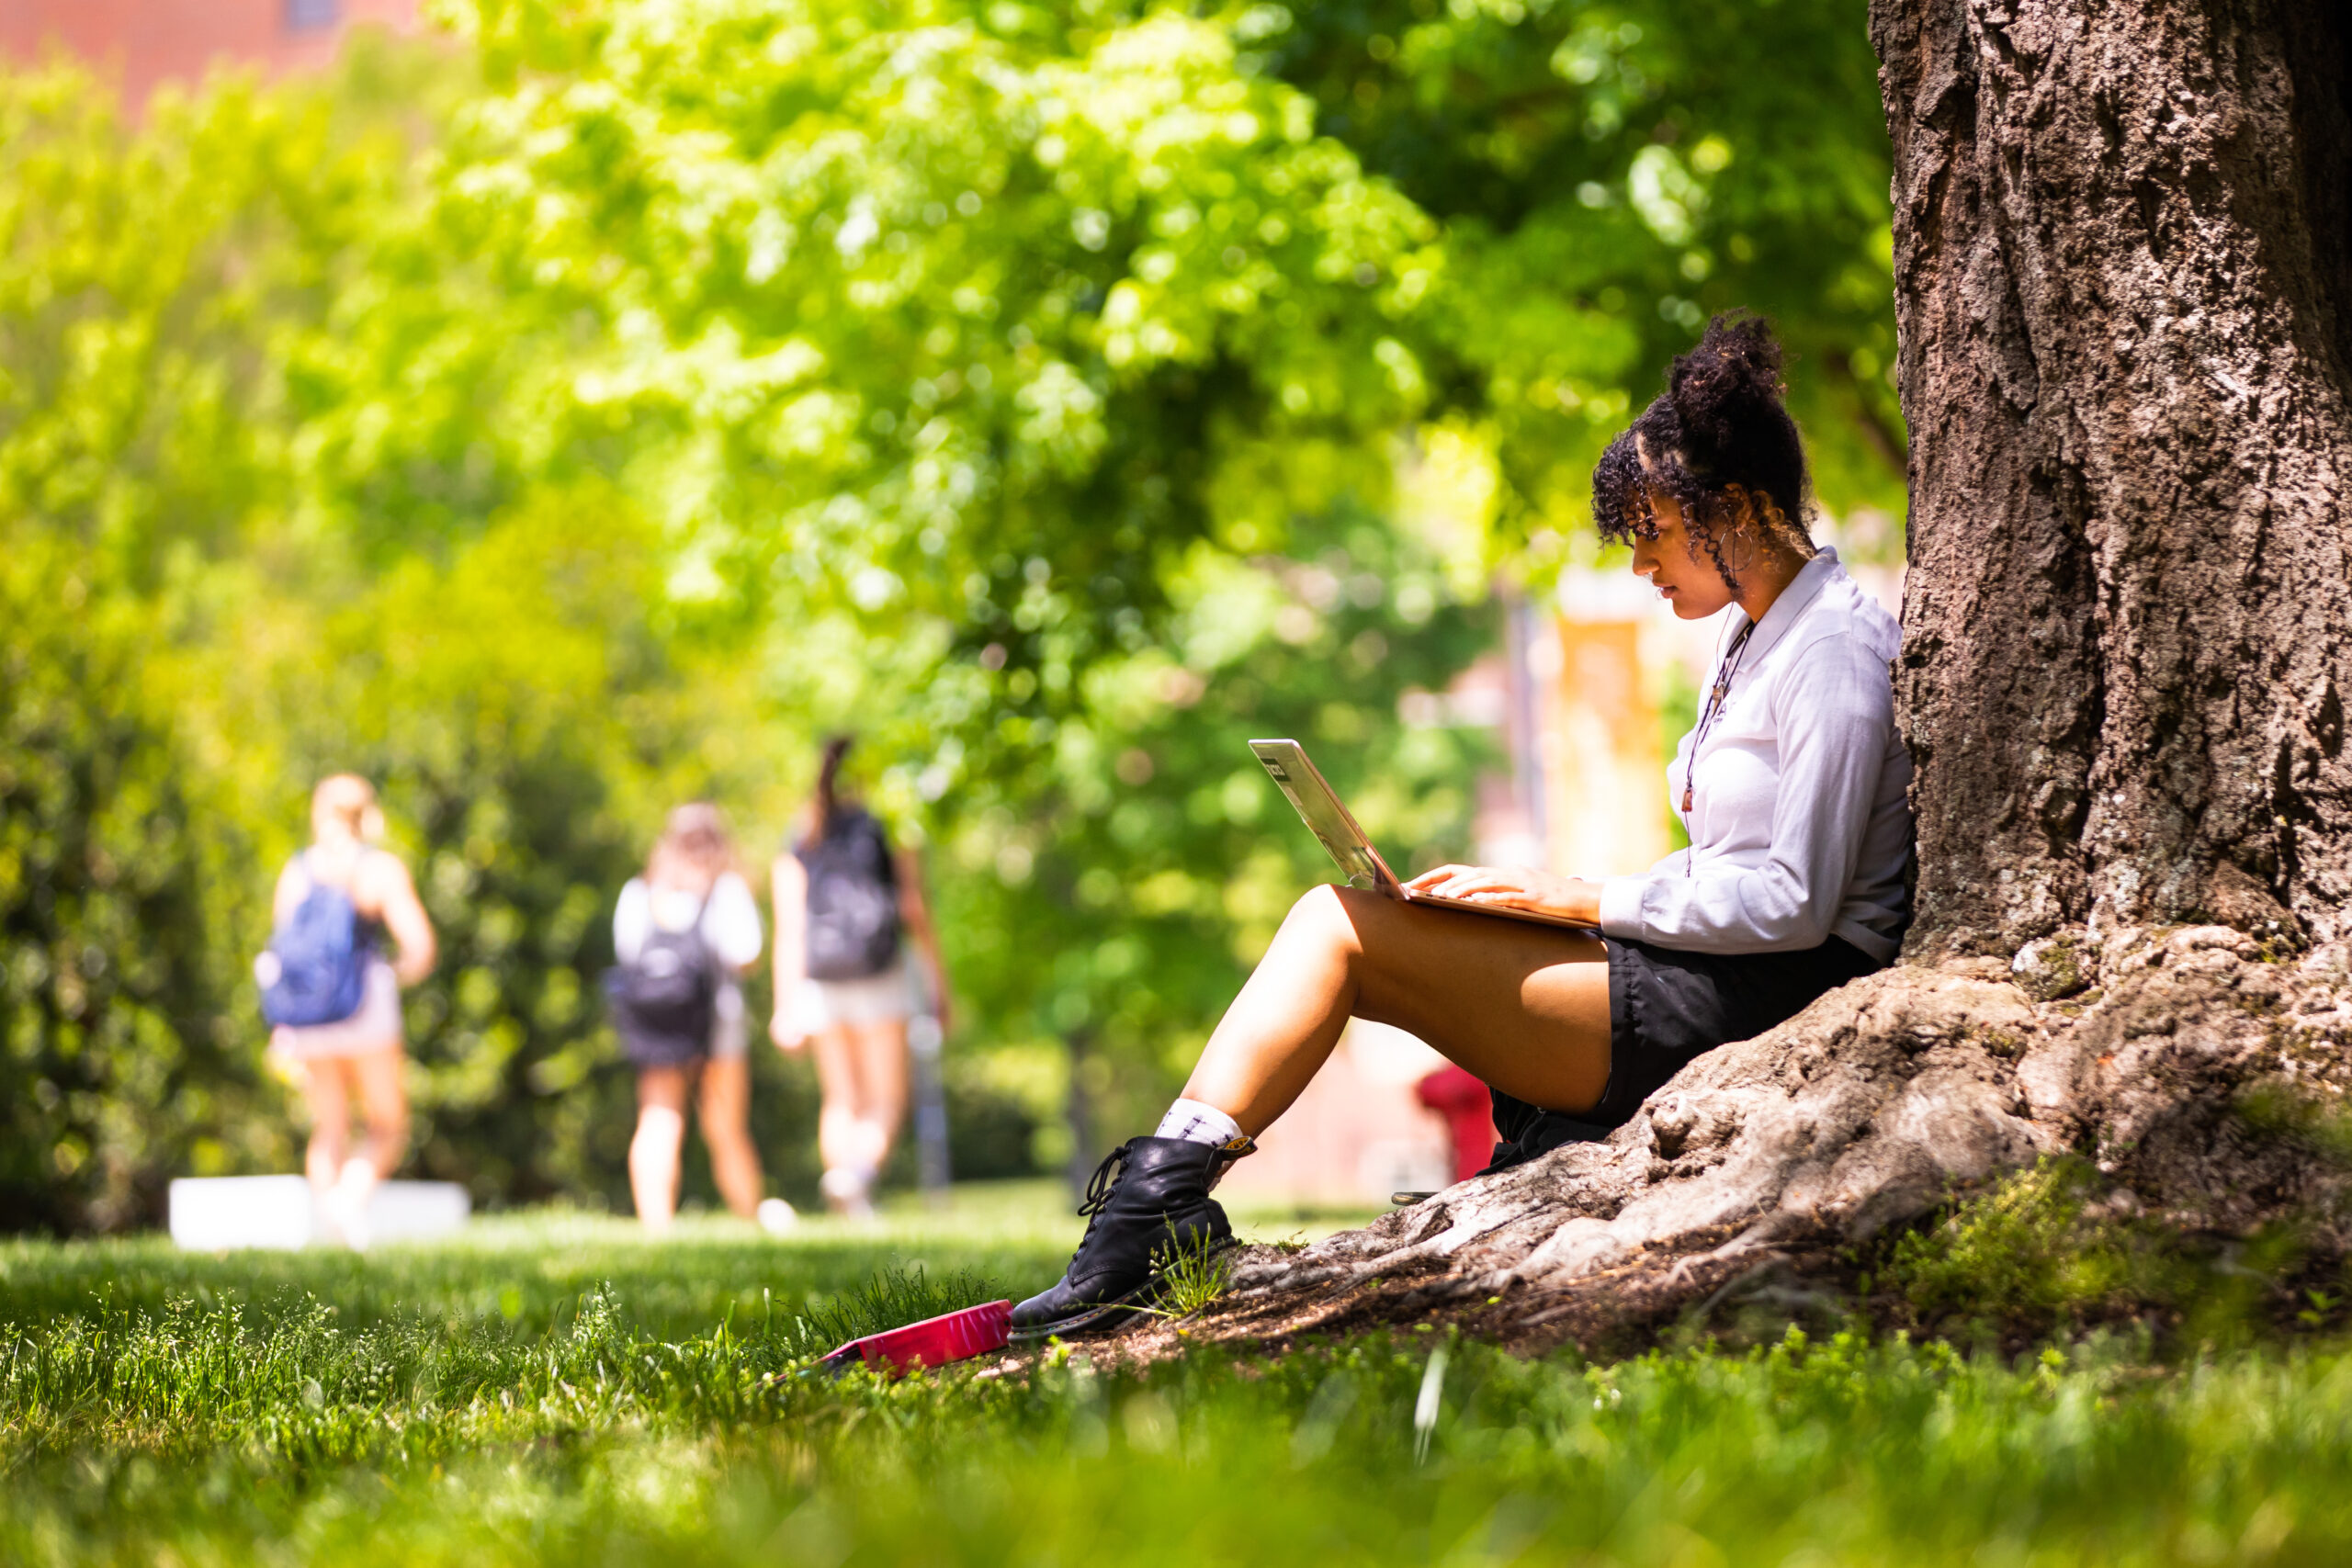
274, 1421
595, 1444
1191, 1275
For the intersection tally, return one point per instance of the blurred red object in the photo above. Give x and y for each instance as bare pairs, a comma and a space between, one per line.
952, 1337
1469, 1112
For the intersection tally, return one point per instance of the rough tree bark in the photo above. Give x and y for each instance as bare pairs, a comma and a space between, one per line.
2122, 235
2123, 267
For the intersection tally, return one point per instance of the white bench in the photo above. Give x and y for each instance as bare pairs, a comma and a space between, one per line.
212, 1214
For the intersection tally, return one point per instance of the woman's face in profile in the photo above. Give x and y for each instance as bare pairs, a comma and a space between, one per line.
1677, 566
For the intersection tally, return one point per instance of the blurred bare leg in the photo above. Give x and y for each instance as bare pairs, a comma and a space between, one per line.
862, 1069
653, 1152
328, 1095
881, 1052
840, 1141
383, 1110
1525, 1006
724, 1102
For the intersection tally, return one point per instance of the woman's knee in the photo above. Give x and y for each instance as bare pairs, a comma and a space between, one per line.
663, 1086
1329, 916
660, 1126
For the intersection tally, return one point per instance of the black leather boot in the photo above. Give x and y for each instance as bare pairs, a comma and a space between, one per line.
1157, 1204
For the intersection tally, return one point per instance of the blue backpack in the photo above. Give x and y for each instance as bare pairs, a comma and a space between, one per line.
316, 968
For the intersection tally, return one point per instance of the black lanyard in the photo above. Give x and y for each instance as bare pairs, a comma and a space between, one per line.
1725, 671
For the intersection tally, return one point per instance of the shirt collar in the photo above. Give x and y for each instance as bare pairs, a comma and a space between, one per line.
1802, 590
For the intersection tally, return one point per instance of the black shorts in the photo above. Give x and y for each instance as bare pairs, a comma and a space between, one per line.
1666, 1009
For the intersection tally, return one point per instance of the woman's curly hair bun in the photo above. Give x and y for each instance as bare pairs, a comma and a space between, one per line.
1724, 386
1721, 424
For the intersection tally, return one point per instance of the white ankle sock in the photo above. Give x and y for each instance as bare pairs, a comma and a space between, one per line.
1196, 1122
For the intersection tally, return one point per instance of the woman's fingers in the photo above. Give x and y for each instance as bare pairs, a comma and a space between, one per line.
1520, 888
1480, 884
1477, 881
1446, 878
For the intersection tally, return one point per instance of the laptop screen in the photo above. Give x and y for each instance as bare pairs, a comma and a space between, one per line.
1286, 763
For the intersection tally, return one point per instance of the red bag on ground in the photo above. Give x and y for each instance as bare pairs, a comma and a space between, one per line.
952, 1337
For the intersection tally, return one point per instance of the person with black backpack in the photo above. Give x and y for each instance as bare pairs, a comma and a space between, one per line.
684, 933
846, 904
333, 999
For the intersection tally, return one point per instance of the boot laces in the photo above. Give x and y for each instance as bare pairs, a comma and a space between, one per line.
1106, 1177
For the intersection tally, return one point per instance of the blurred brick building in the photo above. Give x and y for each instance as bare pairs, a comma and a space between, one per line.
141, 44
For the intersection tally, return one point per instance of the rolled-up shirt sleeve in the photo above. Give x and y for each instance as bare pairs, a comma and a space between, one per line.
632, 919
732, 922
1834, 711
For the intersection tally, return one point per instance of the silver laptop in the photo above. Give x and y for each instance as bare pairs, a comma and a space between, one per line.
1287, 763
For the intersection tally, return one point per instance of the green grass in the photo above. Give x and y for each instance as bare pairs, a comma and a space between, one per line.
554, 1389
2039, 1253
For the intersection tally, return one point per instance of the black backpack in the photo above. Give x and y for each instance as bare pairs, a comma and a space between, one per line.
853, 899
665, 1001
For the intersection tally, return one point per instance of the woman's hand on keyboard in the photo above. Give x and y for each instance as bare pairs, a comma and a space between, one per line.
1514, 888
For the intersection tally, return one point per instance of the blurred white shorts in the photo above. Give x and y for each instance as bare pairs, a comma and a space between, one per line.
871, 998
377, 1026
729, 1037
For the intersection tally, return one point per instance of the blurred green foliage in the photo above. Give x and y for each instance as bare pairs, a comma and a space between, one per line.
588, 416
1606, 177
108, 1055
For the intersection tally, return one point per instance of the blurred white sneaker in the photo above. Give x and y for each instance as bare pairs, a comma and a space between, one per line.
777, 1217
326, 1225
848, 1192
346, 1205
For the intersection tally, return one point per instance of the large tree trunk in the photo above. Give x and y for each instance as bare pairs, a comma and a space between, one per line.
2123, 271
2123, 264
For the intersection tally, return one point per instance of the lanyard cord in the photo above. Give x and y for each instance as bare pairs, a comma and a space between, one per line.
1725, 670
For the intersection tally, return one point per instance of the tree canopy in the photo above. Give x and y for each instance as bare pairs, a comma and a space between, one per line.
588, 415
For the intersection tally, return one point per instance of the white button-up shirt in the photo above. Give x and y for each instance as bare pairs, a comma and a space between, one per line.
1800, 827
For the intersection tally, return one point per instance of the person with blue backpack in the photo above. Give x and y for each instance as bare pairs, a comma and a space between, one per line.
684, 933
333, 998
846, 903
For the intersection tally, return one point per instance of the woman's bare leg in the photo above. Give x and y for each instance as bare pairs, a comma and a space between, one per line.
862, 1071
653, 1152
383, 1110
329, 1098
840, 1136
881, 1051
1523, 1005
724, 1102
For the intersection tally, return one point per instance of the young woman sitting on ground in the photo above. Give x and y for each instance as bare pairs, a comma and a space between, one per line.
1791, 785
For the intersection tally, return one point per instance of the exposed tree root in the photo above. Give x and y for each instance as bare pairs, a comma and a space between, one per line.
2183, 1062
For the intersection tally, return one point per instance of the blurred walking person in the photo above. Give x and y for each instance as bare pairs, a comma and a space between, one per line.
334, 999
846, 903
684, 933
